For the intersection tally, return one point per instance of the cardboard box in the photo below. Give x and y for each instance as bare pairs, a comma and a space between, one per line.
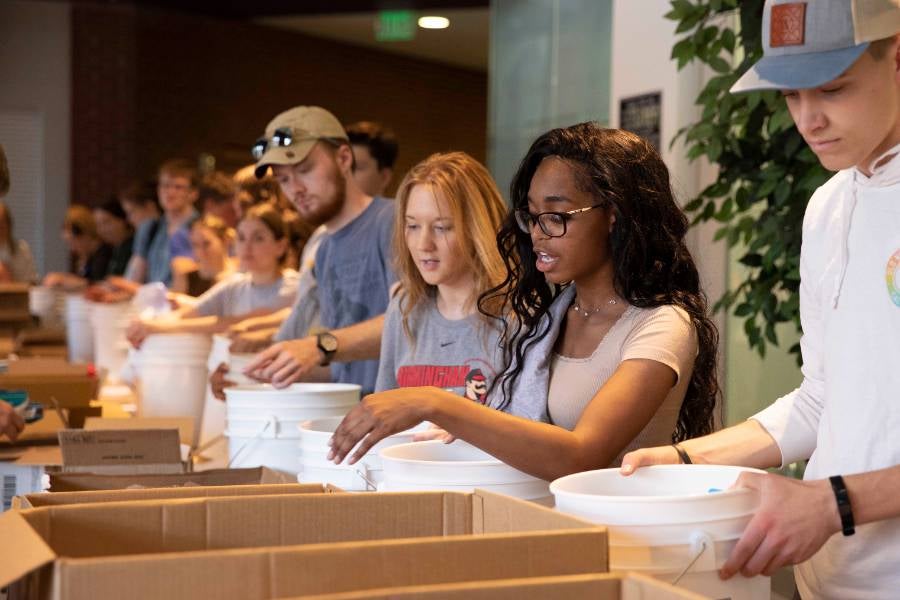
121, 451
49, 379
131, 495
42, 342
611, 586
289, 545
76, 482
14, 312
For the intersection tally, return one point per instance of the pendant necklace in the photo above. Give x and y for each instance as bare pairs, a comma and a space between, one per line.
587, 313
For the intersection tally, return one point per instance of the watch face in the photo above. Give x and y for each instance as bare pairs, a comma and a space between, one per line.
328, 342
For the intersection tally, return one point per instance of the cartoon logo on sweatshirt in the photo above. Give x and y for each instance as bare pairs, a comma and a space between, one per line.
893, 277
471, 379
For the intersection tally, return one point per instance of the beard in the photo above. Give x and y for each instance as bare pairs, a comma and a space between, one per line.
329, 206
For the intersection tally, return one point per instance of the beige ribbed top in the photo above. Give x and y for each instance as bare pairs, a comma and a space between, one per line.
664, 334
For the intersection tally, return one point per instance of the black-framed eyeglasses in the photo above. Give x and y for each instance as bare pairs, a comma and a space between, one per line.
283, 136
553, 224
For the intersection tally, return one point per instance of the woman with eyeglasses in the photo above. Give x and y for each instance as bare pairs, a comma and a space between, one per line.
606, 340
264, 286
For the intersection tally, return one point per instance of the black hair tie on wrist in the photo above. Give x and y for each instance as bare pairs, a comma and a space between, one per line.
685, 458
843, 502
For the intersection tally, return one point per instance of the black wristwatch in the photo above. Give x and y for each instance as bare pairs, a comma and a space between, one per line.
843, 501
328, 345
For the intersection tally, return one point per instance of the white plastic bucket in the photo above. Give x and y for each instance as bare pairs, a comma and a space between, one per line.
47, 304
263, 423
236, 364
172, 372
664, 519
363, 476
109, 323
79, 337
458, 467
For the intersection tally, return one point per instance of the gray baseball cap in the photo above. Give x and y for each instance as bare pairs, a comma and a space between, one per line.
807, 44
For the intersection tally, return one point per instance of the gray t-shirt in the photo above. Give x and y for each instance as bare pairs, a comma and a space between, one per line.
461, 355
353, 268
304, 317
152, 243
238, 295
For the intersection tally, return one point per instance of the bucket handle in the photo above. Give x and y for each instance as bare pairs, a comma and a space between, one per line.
269, 423
700, 543
363, 473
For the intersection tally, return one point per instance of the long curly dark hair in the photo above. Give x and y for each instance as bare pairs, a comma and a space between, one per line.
652, 264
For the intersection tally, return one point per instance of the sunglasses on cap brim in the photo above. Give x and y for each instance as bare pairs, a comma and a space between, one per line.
281, 137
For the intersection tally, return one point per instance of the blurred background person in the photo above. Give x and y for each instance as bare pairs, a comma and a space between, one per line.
210, 240
16, 261
375, 152
89, 256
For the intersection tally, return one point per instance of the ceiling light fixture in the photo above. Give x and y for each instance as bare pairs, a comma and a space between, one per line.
434, 22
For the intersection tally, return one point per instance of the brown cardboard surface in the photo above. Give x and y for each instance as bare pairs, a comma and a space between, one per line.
49, 379
185, 426
66, 498
610, 586
75, 482
327, 521
263, 573
121, 451
42, 456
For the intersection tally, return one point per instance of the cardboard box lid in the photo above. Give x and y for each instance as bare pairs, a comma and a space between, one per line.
194, 524
121, 450
76, 482
131, 495
606, 586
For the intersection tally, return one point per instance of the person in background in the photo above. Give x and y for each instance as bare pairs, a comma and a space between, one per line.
263, 286
16, 261
114, 230
217, 197
89, 255
210, 240
153, 248
375, 152
139, 202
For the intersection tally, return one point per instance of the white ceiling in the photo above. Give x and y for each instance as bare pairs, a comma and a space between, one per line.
464, 44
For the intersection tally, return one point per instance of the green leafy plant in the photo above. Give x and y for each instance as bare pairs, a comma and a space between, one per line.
766, 172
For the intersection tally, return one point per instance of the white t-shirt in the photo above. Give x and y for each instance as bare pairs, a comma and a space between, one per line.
846, 413
664, 334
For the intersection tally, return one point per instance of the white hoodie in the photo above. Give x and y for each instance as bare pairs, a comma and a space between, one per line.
845, 416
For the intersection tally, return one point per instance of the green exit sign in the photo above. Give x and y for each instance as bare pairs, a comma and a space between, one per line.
395, 26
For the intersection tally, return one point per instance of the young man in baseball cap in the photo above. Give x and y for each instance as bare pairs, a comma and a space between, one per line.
311, 158
837, 63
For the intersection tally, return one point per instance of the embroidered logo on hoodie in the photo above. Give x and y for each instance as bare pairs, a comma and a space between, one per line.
893, 277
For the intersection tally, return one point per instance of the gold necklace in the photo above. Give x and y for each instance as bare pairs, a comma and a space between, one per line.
587, 313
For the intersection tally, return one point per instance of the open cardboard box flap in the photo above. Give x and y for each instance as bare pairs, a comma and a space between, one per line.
77, 482
130, 495
125, 451
91, 531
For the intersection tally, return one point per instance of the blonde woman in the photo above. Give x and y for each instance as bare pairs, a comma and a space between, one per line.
448, 212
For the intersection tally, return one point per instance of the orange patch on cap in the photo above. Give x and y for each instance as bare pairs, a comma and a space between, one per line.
788, 24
